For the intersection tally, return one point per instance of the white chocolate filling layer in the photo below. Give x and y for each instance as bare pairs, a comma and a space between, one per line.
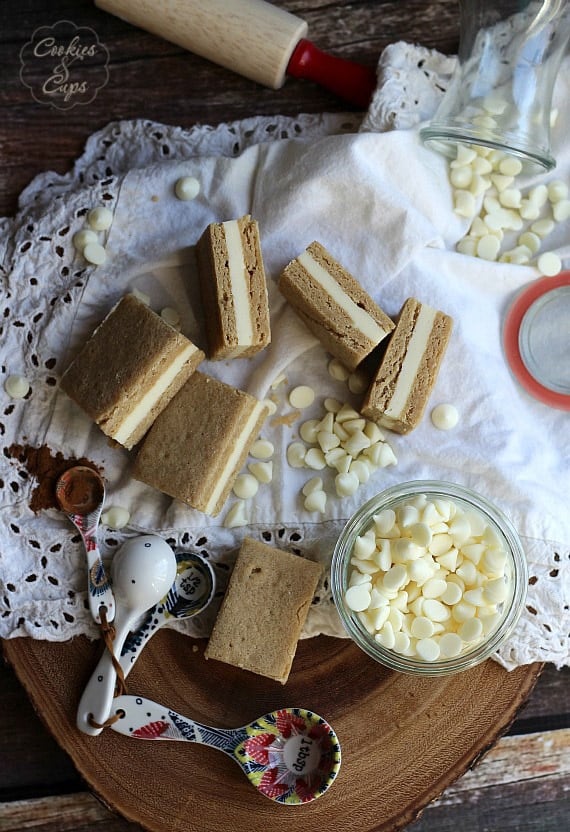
131, 422
359, 317
239, 284
412, 360
239, 445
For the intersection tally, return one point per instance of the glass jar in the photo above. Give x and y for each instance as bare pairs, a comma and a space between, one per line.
500, 95
482, 512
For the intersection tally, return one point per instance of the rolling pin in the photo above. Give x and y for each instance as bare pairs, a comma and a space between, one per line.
251, 37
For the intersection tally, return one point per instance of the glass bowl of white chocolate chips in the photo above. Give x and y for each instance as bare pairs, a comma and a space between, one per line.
429, 577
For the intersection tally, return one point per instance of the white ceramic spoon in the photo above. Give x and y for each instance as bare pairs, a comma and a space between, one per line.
142, 572
190, 594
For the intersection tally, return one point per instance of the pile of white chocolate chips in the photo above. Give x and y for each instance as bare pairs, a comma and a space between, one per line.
428, 579
507, 214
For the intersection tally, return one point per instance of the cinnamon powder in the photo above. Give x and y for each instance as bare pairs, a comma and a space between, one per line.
46, 466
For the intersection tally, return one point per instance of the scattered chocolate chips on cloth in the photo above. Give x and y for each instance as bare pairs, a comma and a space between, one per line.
382, 204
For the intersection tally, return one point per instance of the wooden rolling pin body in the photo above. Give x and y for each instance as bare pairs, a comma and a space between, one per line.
250, 37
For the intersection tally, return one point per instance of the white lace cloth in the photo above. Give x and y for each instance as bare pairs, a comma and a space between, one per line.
382, 205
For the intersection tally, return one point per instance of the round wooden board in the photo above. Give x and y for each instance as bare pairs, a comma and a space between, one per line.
404, 739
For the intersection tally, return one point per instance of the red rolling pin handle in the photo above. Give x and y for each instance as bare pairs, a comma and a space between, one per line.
349, 80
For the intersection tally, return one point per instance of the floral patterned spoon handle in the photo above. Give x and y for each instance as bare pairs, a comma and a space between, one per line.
80, 493
291, 755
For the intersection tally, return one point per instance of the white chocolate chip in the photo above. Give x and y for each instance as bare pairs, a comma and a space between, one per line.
95, 253
314, 484
495, 591
187, 188
495, 104
346, 484
519, 255
302, 396
465, 204
17, 387
488, 247
358, 382
510, 166
501, 182
337, 370
460, 177
314, 458
450, 645
346, 413
84, 236
316, 501
245, 486
557, 191
479, 184
100, 219
485, 121
549, 264
361, 469
357, 597
561, 210
470, 630
327, 423
365, 545
530, 240
386, 636
491, 204
435, 610
327, 441
236, 516
116, 517
468, 246
428, 649
332, 405
262, 471
452, 594
510, 198
538, 195
296, 453
444, 416
262, 449
464, 156
543, 227
481, 166
478, 228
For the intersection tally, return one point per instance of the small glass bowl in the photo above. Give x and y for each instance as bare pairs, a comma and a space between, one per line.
516, 574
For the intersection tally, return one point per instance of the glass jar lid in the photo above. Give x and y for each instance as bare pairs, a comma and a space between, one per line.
537, 340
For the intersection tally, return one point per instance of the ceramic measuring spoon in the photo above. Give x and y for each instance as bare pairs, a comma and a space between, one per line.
142, 571
189, 595
291, 755
80, 493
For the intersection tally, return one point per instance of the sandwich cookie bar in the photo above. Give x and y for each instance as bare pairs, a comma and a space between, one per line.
399, 392
334, 305
264, 610
233, 289
129, 369
198, 445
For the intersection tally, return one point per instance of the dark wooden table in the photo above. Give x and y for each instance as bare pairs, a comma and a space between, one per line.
524, 782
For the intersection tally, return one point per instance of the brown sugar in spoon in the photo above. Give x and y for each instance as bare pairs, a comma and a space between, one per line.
80, 493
